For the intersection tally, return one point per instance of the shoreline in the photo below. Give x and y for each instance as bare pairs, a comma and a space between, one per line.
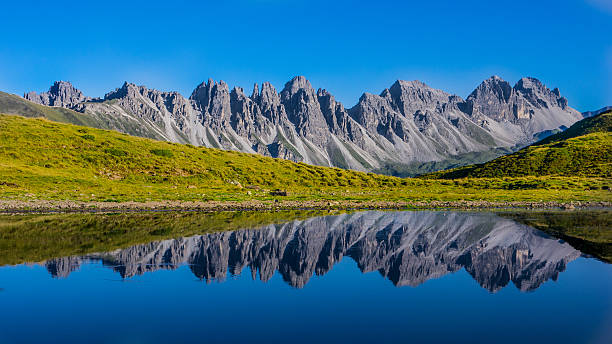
47, 206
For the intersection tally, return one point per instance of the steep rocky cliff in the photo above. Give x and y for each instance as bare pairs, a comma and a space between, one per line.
61, 94
400, 131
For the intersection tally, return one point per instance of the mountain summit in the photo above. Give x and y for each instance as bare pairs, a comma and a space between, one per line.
62, 94
410, 127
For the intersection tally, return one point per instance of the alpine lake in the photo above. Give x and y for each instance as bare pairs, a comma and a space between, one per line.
505, 276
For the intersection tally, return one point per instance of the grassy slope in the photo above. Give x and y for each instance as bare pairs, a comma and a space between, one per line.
12, 104
15, 105
40, 159
585, 150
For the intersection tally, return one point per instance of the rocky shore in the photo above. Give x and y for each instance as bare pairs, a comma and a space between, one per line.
42, 206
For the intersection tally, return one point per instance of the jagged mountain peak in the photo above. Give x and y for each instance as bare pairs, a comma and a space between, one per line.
321, 92
268, 94
210, 93
267, 88
529, 83
409, 84
539, 95
411, 96
296, 84
238, 90
400, 87
255, 94
128, 89
60, 84
496, 86
495, 80
61, 93
210, 84
132, 90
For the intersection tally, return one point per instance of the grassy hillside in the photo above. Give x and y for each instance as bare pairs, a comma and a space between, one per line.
15, 105
12, 104
43, 160
585, 149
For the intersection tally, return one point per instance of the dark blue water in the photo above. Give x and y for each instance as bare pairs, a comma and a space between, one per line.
423, 277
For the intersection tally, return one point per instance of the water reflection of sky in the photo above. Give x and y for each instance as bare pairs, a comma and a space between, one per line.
344, 305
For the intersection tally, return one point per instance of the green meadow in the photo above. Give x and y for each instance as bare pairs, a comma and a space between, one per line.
44, 160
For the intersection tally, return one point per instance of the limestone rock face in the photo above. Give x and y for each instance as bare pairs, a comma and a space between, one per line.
61, 94
522, 111
408, 124
408, 248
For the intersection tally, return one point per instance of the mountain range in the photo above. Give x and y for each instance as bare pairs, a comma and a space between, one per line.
409, 128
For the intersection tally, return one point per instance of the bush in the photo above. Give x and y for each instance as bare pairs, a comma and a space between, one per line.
116, 152
162, 152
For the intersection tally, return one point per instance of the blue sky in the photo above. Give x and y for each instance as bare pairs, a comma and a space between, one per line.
347, 47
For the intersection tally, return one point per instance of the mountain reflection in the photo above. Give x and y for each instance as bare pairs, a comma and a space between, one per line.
408, 248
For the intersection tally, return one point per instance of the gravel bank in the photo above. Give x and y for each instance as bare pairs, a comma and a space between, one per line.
42, 206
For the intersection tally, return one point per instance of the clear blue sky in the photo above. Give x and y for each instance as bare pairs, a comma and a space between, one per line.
346, 47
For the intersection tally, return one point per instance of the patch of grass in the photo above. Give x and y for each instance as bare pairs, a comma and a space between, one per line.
116, 152
163, 152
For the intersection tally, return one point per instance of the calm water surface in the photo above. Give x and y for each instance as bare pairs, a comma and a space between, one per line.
421, 277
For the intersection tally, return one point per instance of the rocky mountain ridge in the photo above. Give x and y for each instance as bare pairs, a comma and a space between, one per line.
604, 109
408, 248
61, 94
405, 127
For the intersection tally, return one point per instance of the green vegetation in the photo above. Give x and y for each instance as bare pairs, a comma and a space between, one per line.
12, 104
162, 152
43, 160
35, 238
584, 150
587, 231
15, 105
